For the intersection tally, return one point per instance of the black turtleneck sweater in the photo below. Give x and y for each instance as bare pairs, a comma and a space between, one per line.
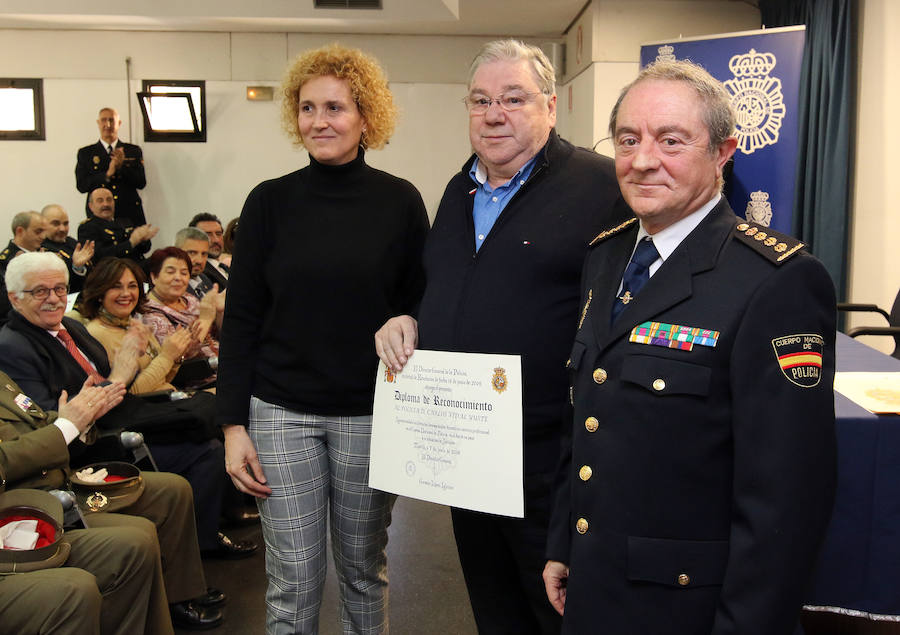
324, 256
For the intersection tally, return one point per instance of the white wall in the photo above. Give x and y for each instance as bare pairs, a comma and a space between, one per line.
875, 224
84, 70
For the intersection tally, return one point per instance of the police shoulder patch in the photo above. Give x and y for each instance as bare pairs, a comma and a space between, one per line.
768, 243
800, 358
611, 232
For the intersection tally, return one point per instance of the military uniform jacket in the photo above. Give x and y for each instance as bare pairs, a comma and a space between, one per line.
28, 439
111, 239
90, 173
11, 251
64, 251
698, 483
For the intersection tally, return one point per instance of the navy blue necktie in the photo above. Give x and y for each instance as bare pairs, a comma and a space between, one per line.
636, 274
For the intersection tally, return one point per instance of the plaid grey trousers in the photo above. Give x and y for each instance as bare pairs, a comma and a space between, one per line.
307, 460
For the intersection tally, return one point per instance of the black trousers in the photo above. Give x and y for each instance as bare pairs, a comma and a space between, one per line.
502, 560
203, 465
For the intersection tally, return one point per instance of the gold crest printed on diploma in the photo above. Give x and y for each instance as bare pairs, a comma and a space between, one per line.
499, 381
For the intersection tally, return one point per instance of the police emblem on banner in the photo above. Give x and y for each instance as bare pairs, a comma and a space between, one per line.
759, 209
498, 381
800, 358
757, 100
665, 53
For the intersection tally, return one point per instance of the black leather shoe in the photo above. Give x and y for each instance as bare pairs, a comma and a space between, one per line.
240, 518
213, 597
193, 617
230, 549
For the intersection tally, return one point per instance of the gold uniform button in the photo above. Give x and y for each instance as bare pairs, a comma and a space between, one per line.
600, 375
659, 384
581, 526
591, 424
585, 472
683, 579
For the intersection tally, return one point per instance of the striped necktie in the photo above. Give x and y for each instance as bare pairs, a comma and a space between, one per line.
66, 339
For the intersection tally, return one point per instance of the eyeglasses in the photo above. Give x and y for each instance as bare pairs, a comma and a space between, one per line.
514, 100
42, 293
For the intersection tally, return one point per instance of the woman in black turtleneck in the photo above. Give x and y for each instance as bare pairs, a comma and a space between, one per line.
326, 254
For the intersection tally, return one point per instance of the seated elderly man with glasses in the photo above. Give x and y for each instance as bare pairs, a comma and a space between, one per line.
47, 354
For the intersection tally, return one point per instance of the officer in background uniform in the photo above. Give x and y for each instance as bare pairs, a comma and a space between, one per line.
76, 256
699, 479
109, 237
115, 165
28, 232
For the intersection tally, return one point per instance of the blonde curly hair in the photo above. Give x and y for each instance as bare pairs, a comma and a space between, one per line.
368, 85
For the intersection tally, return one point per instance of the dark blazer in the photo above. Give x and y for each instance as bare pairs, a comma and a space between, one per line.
65, 250
698, 484
216, 276
90, 173
40, 365
519, 293
8, 253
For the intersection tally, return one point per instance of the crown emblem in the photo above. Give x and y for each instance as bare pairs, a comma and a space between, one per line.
751, 64
665, 53
759, 210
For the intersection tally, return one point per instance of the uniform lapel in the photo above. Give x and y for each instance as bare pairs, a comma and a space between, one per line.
614, 257
673, 282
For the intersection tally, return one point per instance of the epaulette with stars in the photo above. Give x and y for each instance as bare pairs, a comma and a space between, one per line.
768, 243
611, 232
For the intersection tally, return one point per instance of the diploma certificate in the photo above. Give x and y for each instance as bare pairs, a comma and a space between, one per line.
448, 429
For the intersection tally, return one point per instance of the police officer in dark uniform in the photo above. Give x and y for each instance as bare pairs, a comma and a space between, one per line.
76, 256
109, 237
699, 478
115, 165
28, 232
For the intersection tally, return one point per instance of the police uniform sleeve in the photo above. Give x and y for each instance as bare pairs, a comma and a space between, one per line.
86, 177
781, 377
132, 171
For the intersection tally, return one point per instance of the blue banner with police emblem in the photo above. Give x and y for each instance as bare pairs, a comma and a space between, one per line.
761, 72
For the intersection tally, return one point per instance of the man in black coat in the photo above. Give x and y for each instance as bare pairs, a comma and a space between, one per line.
116, 165
210, 224
502, 264
699, 477
110, 238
